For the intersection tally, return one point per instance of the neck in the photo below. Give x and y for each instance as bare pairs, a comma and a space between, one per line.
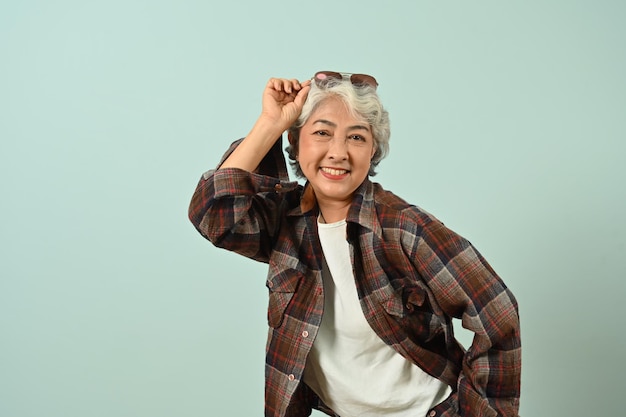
332, 213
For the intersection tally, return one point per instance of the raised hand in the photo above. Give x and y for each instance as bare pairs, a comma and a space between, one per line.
282, 104
283, 100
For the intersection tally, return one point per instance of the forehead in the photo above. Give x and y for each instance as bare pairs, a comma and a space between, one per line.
335, 109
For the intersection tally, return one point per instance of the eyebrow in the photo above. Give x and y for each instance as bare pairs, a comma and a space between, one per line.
354, 127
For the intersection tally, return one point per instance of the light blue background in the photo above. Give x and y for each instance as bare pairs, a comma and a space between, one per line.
508, 123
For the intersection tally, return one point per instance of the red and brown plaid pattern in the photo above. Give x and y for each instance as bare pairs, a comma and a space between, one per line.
413, 275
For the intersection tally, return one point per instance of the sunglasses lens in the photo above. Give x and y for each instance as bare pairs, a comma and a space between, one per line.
356, 79
325, 75
364, 79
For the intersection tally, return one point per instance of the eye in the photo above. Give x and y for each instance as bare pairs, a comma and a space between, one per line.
322, 133
357, 138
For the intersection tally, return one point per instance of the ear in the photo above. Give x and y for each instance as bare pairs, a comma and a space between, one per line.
290, 138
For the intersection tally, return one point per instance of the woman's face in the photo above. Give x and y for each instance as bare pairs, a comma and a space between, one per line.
335, 151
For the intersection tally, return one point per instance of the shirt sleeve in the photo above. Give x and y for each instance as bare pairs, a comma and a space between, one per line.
466, 287
239, 210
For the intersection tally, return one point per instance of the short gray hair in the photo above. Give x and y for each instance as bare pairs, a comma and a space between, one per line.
364, 103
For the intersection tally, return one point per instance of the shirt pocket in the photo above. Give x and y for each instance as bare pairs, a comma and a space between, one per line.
410, 307
282, 283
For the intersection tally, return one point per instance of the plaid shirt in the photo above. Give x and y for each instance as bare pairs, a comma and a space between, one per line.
413, 275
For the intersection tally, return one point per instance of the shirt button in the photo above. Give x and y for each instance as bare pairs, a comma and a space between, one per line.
278, 187
291, 377
270, 284
432, 413
305, 334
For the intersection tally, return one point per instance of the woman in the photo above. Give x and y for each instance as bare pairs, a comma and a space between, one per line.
362, 285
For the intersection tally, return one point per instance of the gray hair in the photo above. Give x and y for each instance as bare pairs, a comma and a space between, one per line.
361, 100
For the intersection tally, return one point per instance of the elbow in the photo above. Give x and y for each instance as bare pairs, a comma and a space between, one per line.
209, 227
205, 222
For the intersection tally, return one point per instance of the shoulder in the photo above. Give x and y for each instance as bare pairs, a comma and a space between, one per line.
392, 208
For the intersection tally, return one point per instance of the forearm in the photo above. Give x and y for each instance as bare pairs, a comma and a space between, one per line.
251, 151
282, 103
466, 287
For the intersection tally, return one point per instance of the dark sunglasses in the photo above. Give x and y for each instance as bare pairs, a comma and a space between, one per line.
356, 79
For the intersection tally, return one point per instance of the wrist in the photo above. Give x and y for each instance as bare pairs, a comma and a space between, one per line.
267, 129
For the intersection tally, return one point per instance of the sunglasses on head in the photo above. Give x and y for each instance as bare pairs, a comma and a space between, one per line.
356, 79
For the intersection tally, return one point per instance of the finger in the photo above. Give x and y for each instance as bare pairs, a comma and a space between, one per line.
295, 84
271, 83
285, 85
276, 84
302, 95
291, 86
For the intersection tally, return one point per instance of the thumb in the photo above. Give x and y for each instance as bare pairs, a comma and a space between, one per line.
301, 96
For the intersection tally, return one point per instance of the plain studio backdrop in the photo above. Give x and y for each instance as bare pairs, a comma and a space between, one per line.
508, 123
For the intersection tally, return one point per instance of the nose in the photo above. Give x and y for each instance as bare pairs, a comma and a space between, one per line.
338, 149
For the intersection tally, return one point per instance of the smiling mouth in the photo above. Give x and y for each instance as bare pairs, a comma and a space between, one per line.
334, 171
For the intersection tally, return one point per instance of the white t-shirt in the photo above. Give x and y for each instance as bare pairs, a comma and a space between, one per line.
351, 369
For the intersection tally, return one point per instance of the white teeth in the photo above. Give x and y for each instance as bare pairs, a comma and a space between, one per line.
333, 171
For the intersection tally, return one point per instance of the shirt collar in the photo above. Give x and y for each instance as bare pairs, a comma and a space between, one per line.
362, 211
363, 208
